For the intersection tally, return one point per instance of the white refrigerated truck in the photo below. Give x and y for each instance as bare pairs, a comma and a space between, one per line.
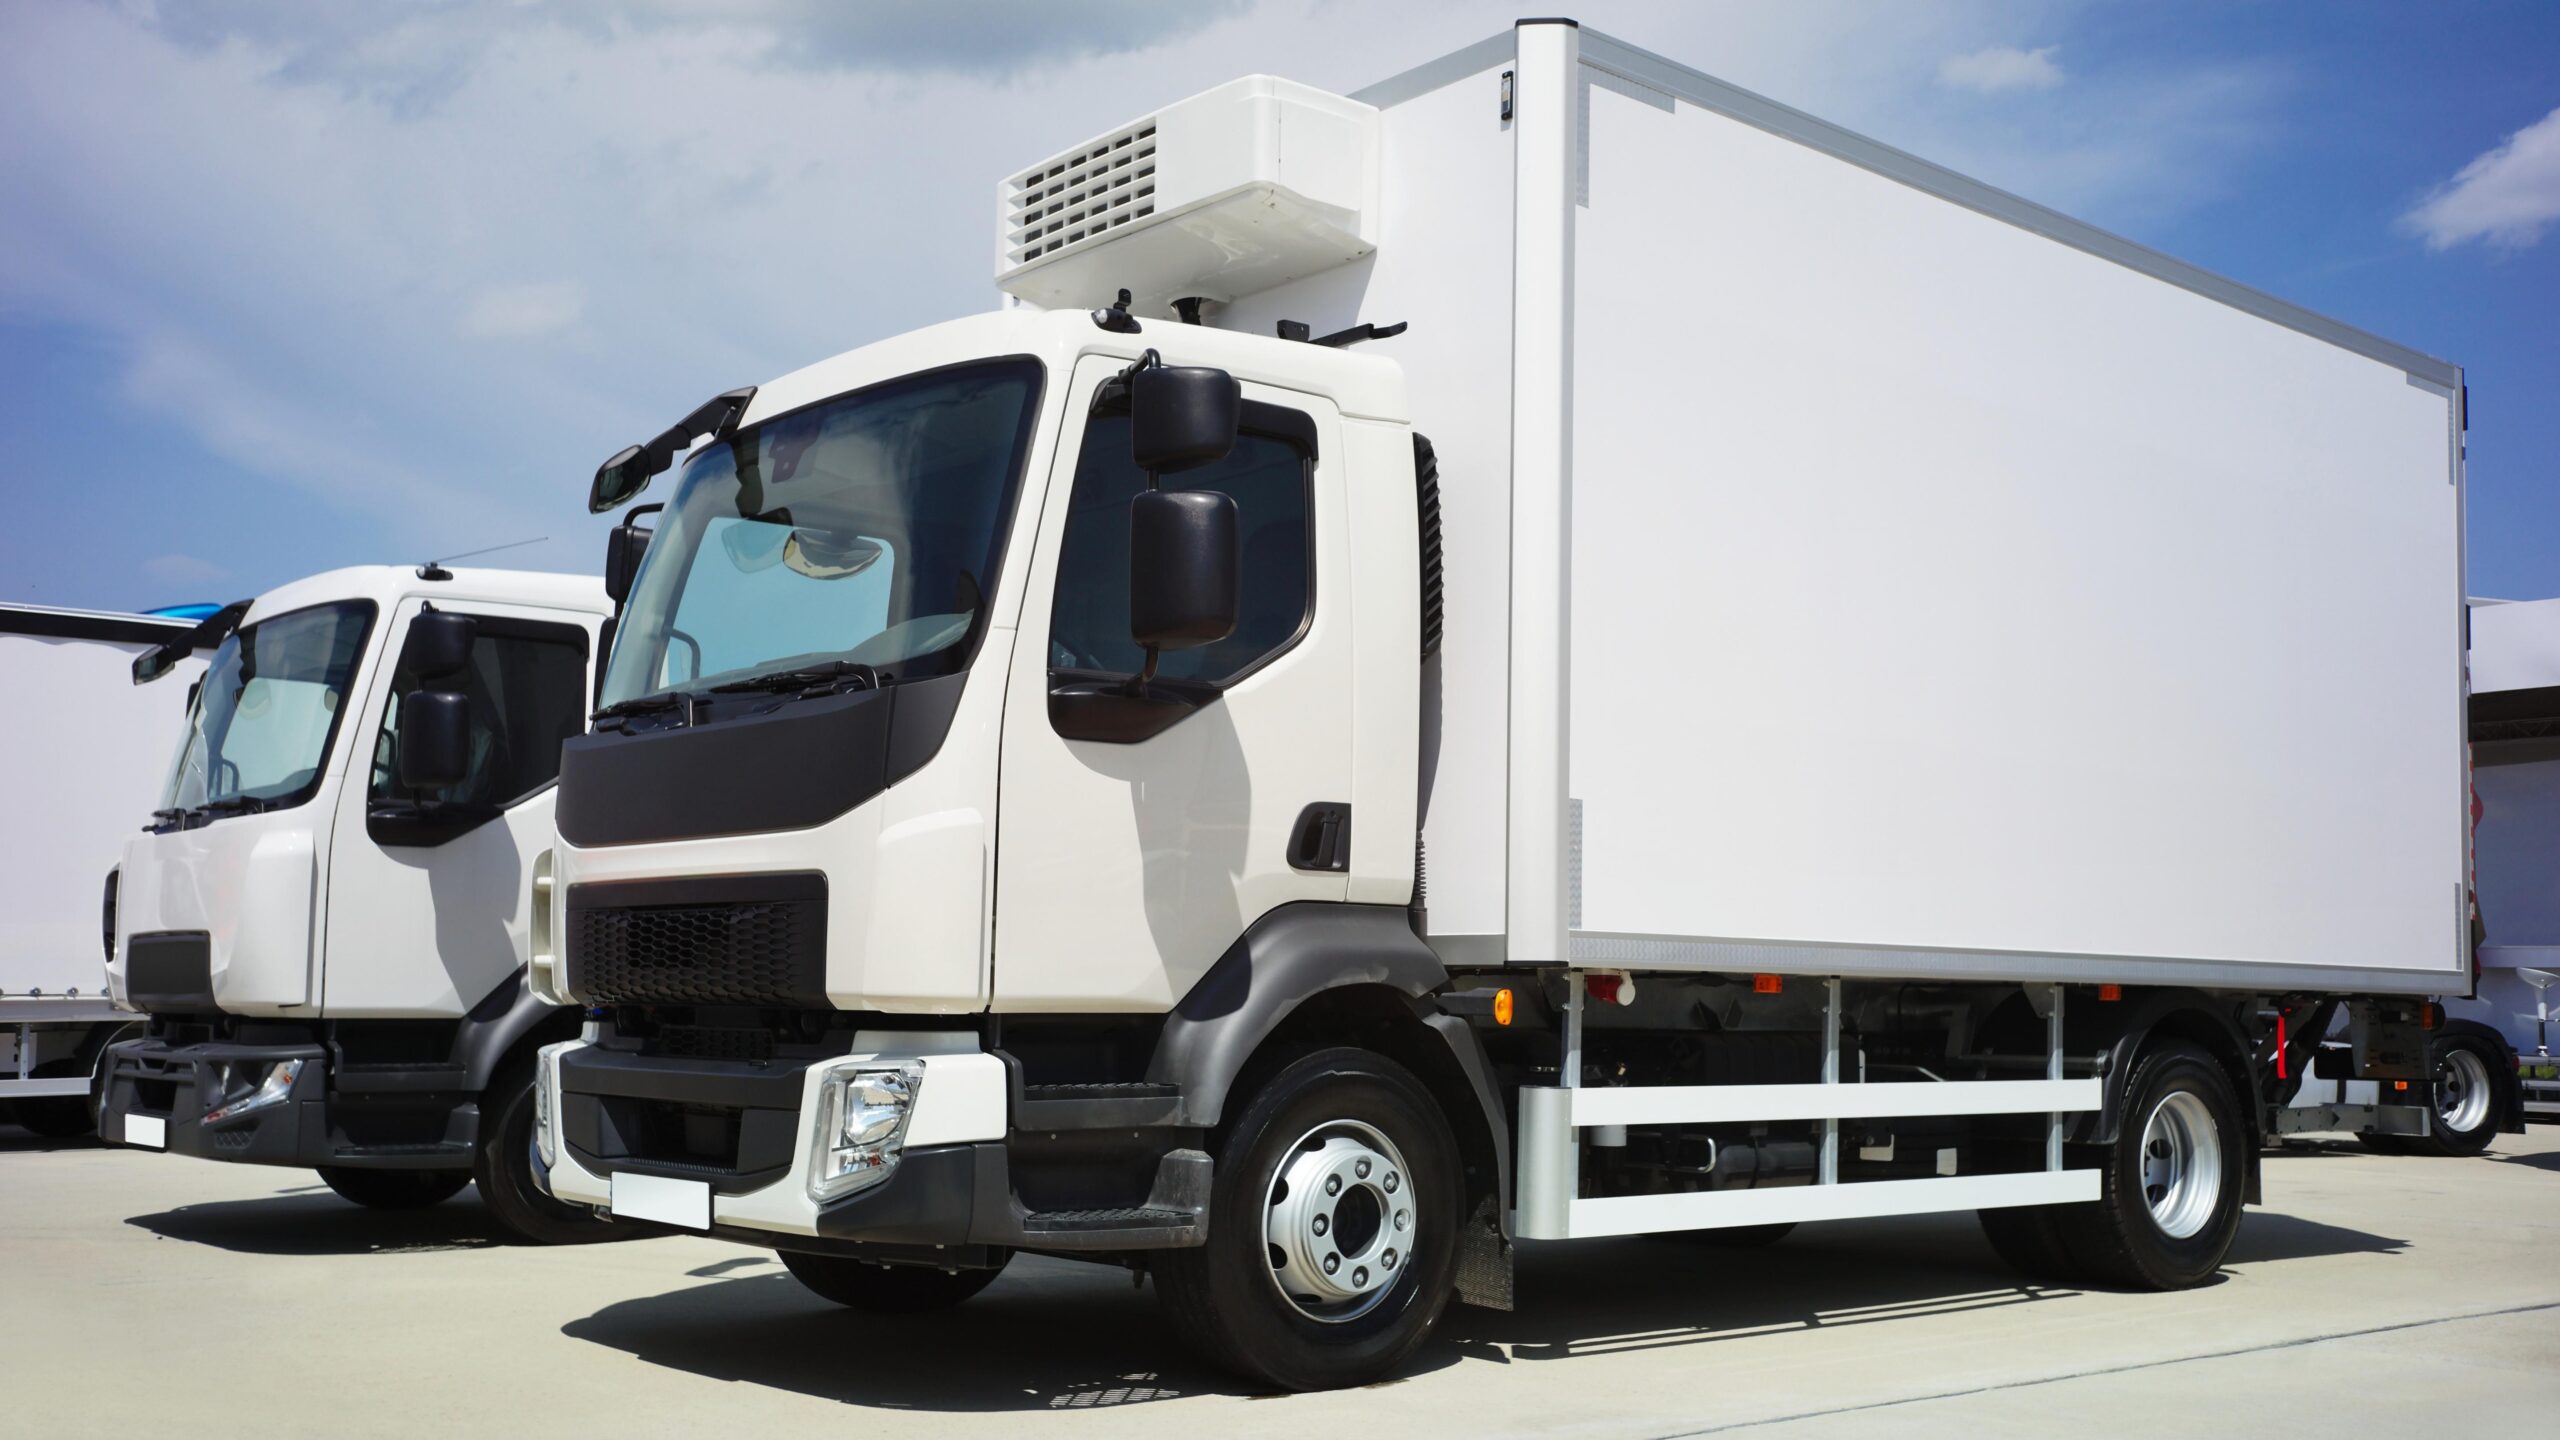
84, 752
324, 919
1834, 635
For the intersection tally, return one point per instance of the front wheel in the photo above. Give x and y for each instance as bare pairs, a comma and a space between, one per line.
886, 1289
1333, 1228
2168, 1203
394, 1189
502, 1167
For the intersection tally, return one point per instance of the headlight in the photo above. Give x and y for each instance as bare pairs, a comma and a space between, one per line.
271, 1090
862, 1118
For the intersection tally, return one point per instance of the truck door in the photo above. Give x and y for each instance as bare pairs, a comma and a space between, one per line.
429, 894
1125, 867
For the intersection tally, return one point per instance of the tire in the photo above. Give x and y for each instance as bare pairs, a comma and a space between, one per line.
1734, 1237
2470, 1096
1346, 1125
2029, 1238
2169, 1195
58, 1117
885, 1289
502, 1166
394, 1189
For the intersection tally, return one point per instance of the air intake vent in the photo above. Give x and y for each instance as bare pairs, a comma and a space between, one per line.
738, 940
1081, 194
1224, 195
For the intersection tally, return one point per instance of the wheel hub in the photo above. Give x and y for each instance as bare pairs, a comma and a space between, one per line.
2181, 1164
1340, 1221
2462, 1091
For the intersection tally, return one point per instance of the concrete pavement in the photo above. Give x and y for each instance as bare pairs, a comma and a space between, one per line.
2370, 1294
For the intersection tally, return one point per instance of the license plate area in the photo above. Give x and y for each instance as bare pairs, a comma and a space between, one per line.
668, 1202
149, 1131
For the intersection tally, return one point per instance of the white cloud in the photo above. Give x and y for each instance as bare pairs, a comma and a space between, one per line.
2506, 197
514, 312
183, 570
429, 263
2002, 68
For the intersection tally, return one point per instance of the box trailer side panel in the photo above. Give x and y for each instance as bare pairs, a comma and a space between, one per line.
85, 763
1443, 267
1948, 599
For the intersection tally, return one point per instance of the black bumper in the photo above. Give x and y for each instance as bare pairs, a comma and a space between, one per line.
311, 1126
734, 1126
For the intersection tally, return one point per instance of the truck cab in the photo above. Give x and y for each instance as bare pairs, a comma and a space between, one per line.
324, 921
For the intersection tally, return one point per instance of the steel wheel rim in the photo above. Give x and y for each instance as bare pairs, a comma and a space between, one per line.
2181, 1164
2462, 1091
1339, 1221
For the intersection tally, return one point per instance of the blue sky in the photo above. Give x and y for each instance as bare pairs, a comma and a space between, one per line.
287, 284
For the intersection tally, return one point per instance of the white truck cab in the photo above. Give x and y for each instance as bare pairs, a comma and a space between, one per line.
1553, 471
325, 920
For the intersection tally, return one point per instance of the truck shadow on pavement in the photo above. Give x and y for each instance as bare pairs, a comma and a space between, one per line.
17, 1141
312, 1221
1053, 1335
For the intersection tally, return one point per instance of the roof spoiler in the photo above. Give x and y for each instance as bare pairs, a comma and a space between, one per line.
160, 659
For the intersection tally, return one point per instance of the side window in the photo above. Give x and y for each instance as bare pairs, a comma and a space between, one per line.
527, 686
1268, 473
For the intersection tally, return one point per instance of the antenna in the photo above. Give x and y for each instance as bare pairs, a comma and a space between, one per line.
434, 569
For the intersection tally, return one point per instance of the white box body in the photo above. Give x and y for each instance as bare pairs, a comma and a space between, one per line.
1896, 578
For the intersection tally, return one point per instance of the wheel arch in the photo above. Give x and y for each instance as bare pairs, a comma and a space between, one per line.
1321, 973
508, 1022
2194, 1017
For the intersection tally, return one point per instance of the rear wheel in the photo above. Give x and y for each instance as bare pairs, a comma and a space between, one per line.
502, 1166
2168, 1205
1334, 1227
2468, 1099
886, 1289
394, 1189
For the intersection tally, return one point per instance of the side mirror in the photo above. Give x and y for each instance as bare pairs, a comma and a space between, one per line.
1182, 568
623, 551
439, 644
435, 739
1182, 417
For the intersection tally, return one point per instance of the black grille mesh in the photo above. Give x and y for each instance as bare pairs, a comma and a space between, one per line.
741, 953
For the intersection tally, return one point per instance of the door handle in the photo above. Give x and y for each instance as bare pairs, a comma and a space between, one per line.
1321, 840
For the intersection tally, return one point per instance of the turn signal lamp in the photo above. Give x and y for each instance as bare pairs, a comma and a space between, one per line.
1502, 1006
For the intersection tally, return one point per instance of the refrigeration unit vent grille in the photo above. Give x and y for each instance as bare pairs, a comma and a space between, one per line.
1079, 195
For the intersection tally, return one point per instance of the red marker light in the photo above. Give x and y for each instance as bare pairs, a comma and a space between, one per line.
1767, 984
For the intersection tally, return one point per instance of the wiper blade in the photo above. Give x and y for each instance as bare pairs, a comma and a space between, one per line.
835, 674
233, 805
642, 705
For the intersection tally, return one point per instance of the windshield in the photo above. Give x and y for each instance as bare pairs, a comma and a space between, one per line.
258, 730
864, 530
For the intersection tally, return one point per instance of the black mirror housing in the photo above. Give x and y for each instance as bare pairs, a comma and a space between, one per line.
435, 739
618, 479
1182, 417
439, 644
1182, 568
623, 550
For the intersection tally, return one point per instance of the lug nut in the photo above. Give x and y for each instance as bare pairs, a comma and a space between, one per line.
1391, 1182
1360, 1277
1322, 1224
1361, 1169
1333, 1184
1388, 1260
1401, 1217
1332, 1263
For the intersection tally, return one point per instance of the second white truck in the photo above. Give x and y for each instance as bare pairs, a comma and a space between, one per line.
324, 922
1549, 649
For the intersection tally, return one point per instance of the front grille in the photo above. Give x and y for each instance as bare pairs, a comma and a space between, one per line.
745, 940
